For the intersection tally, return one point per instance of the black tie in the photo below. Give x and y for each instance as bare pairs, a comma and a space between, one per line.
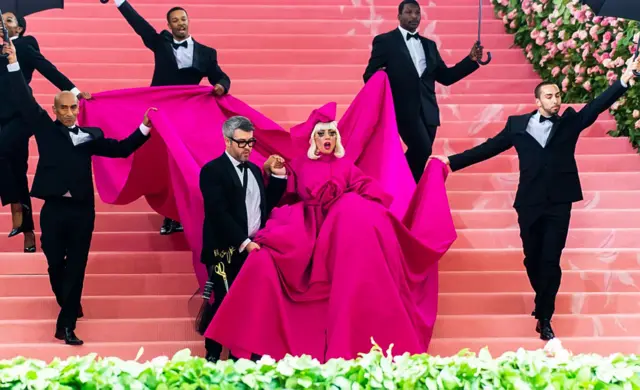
74, 130
244, 168
552, 119
409, 36
183, 44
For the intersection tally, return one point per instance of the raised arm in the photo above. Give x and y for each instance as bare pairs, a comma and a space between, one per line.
448, 76
590, 112
31, 112
378, 59
30, 55
486, 150
145, 30
109, 147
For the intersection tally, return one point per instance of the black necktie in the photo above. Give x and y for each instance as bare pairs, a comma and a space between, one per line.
552, 119
409, 36
244, 168
183, 44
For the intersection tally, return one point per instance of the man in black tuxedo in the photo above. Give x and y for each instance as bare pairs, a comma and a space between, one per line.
413, 65
236, 205
549, 182
179, 60
14, 138
64, 181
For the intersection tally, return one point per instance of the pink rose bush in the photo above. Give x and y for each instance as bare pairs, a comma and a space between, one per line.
584, 53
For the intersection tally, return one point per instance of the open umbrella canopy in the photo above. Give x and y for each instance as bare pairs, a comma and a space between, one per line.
625, 9
28, 7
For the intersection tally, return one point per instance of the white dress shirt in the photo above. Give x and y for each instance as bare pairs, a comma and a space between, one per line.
539, 131
184, 56
416, 50
252, 202
82, 136
75, 91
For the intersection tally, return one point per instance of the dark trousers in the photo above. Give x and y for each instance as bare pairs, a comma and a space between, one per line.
544, 230
419, 141
67, 228
214, 348
14, 163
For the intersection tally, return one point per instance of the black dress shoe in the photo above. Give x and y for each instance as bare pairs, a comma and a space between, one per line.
167, 227
544, 328
68, 336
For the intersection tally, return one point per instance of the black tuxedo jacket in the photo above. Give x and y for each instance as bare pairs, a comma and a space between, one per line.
62, 166
410, 91
28, 51
547, 173
166, 72
225, 211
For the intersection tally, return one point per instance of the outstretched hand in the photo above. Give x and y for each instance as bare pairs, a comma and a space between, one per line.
275, 165
632, 65
147, 121
443, 159
84, 95
477, 52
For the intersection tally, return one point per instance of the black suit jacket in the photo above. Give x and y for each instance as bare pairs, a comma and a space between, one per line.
62, 166
549, 173
410, 91
225, 211
166, 72
28, 51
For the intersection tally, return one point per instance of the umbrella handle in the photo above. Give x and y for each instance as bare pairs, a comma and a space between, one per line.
484, 62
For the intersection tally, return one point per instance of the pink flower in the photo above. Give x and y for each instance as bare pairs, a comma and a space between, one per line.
562, 46
615, 106
604, 23
638, 124
619, 62
636, 114
529, 47
579, 80
556, 71
562, 34
587, 85
513, 14
566, 69
540, 41
513, 25
607, 63
612, 76
559, 22
607, 37
545, 23
534, 34
594, 33
582, 34
565, 84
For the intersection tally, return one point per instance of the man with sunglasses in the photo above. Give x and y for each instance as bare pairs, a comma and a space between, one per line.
237, 204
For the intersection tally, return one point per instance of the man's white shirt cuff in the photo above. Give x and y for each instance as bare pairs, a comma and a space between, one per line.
244, 245
144, 129
119, 3
13, 67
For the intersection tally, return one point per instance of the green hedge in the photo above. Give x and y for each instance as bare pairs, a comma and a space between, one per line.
568, 44
376, 370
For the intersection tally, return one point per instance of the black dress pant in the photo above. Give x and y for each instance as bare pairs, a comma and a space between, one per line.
419, 141
543, 230
219, 292
67, 228
14, 163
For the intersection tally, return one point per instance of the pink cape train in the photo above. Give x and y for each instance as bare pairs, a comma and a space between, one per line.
187, 134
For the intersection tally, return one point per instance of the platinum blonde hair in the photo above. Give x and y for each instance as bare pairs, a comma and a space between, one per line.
312, 153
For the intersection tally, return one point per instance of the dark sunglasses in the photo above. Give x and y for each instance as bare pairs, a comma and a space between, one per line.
244, 143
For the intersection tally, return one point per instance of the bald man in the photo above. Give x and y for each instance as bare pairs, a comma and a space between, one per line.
64, 181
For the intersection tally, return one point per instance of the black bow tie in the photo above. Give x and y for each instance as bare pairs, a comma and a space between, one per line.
416, 36
73, 129
242, 166
184, 44
552, 119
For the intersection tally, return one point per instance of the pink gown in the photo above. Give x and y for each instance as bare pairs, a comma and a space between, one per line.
337, 268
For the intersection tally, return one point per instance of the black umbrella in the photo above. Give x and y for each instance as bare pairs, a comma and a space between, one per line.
28, 7
625, 9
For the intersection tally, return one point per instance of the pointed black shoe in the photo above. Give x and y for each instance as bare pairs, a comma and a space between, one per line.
68, 336
544, 328
26, 213
167, 227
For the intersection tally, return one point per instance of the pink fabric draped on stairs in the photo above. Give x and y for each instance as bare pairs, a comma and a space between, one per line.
187, 134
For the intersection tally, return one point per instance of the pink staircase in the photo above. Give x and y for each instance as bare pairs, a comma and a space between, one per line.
285, 58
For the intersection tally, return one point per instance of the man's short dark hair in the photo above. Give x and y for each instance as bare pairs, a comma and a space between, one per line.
538, 89
22, 22
406, 2
174, 9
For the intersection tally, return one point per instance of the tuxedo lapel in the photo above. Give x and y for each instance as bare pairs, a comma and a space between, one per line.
554, 130
197, 56
168, 47
64, 130
429, 56
400, 42
232, 171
